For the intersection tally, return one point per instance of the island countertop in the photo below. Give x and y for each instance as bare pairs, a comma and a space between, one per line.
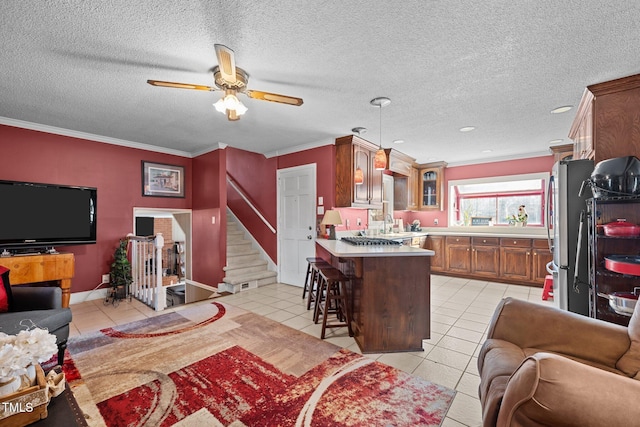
341, 249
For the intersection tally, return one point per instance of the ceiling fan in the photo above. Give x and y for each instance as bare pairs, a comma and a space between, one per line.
231, 79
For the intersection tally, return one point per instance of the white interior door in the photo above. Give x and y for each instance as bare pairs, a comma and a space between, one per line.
296, 222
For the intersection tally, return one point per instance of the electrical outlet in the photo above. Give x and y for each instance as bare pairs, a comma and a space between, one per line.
358, 221
435, 221
348, 223
105, 278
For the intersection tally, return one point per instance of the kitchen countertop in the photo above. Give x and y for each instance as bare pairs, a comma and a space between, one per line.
342, 249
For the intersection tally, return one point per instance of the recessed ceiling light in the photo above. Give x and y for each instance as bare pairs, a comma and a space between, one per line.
467, 128
562, 109
398, 141
487, 151
556, 141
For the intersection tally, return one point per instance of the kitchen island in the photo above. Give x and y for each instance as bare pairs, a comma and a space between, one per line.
389, 292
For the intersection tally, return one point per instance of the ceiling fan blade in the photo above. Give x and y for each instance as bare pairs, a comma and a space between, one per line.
227, 63
274, 97
180, 85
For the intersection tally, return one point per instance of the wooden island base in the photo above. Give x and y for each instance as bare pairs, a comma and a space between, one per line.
390, 300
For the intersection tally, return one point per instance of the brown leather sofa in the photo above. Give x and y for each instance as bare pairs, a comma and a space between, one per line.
541, 366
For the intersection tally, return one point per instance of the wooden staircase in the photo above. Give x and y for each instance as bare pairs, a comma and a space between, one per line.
245, 268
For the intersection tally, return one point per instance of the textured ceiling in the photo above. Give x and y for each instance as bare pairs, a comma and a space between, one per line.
501, 66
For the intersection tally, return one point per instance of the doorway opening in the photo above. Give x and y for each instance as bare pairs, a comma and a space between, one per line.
175, 227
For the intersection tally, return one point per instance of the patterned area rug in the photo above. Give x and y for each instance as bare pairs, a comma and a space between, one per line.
217, 365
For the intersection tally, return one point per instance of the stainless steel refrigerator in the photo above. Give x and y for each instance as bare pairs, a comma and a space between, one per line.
569, 246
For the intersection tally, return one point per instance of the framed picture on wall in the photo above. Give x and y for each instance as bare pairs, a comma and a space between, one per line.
160, 180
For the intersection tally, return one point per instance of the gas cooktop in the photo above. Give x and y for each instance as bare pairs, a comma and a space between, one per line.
363, 241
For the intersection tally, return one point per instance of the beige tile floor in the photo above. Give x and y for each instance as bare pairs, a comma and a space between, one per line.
461, 310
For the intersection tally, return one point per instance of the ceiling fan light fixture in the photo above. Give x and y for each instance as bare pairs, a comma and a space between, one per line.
230, 103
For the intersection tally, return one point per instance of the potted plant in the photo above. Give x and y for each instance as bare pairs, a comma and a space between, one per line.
120, 275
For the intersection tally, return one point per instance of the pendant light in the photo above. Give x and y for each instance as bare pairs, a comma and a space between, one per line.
358, 176
380, 159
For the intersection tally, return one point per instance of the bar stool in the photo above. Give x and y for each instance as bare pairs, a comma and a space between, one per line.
332, 283
311, 279
310, 261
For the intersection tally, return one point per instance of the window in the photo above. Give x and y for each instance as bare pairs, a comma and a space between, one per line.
497, 200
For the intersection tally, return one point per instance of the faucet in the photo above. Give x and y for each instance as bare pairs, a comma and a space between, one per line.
388, 218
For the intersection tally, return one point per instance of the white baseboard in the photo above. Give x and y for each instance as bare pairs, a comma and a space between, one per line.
78, 297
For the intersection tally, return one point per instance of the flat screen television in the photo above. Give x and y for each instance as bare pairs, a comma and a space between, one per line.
35, 215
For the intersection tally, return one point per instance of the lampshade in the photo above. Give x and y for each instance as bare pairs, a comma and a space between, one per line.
380, 159
358, 177
331, 217
230, 105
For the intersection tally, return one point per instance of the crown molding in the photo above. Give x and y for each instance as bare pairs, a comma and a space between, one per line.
500, 159
91, 137
297, 148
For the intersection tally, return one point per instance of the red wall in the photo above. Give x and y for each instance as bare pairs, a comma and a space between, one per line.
426, 218
209, 216
115, 171
484, 170
257, 177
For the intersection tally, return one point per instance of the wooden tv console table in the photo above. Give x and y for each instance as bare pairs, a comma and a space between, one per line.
58, 268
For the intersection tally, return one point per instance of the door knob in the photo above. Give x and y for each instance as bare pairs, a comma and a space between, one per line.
309, 237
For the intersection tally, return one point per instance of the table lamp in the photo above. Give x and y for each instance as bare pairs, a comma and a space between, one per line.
332, 218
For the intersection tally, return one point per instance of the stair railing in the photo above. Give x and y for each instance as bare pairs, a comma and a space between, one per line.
248, 201
146, 271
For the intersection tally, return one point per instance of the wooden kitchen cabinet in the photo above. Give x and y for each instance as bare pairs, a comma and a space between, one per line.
606, 123
562, 152
413, 187
354, 153
485, 256
508, 260
405, 180
431, 186
437, 245
515, 259
458, 254
541, 257
398, 162
581, 131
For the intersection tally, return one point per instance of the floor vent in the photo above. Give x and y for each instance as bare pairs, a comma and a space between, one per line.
228, 287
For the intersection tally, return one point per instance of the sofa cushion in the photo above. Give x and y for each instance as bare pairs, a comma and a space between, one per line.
6, 299
51, 320
552, 390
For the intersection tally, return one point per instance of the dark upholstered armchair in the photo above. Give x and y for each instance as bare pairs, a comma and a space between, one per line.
36, 307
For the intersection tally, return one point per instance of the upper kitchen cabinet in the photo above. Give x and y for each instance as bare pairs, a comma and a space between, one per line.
431, 186
405, 180
399, 163
582, 128
354, 158
562, 152
606, 124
